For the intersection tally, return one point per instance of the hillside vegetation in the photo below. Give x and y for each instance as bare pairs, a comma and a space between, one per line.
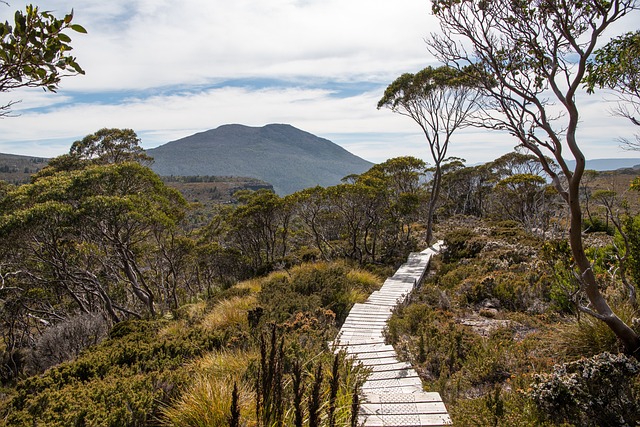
117, 309
18, 169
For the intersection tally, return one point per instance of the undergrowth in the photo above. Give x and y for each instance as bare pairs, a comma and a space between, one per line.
183, 371
496, 321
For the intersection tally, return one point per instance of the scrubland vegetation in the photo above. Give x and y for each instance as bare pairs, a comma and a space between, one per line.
115, 313
117, 308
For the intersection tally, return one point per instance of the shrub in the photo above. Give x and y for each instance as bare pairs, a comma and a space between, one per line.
66, 340
462, 243
496, 408
309, 287
595, 391
122, 381
597, 225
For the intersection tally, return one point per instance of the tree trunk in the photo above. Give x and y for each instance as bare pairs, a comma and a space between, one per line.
435, 193
626, 334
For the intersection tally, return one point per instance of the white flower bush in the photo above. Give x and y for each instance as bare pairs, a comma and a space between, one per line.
595, 391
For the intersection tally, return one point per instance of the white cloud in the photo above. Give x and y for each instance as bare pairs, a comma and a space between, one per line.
161, 45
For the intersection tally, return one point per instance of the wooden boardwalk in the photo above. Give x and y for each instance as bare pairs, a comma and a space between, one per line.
392, 396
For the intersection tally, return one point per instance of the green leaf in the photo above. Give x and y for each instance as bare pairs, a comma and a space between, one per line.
64, 38
78, 28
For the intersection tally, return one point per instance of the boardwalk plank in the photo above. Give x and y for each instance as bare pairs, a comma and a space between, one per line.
392, 395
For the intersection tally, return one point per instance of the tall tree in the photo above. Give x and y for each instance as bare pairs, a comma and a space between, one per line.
104, 147
401, 185
439, 100
528, 54
34, 52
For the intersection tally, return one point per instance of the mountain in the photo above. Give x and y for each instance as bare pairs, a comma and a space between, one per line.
280, 154
609, 164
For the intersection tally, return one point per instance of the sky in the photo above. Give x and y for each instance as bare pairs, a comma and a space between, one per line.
168, 69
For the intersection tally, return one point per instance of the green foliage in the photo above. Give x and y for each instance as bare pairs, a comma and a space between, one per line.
587, 336
409, 89
82, 237
442, 345
109, 146
34, 51
556, 254
632, 229
124, 381
208, 396
293, 384
498, 407
462, 243
597, 225
615, 65
601, 390
311, 287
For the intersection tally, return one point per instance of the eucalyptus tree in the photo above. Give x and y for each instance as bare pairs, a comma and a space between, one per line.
524, 198
104, 147
439, 100
401, 187
530, 58
358, 217
315, 213
34, 52
79, 236
108, 146
258, 227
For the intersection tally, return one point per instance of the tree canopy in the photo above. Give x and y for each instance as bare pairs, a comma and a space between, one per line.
439, 100
617, 66
34, 51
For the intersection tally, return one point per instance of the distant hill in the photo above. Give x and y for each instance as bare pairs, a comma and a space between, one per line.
609, 164
17, 169
282, 155
210, 190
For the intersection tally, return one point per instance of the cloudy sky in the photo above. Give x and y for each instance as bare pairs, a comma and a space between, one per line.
168, 69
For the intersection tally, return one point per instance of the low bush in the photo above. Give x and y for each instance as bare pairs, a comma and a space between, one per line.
306, 288
596, 391
66, 340
587, 336
462, 243
123, 381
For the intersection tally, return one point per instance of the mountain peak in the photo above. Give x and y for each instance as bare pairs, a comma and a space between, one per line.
283, 155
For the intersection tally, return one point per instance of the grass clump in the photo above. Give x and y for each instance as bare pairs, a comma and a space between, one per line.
207, 399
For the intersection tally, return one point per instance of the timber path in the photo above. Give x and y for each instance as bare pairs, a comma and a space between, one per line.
392, 395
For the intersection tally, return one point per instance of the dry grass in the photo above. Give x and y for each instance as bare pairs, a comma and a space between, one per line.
193, 312
590, 336
229, 312
207, 402
254, 285
365, 281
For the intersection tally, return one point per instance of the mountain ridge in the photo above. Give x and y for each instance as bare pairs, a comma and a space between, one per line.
288, 158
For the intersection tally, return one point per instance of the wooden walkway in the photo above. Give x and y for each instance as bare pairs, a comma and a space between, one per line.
392, 396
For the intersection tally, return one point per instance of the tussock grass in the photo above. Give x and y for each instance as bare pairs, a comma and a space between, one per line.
229, 312
207, 401
364, 281
192, 312
589, 336
172, 329
254, 285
